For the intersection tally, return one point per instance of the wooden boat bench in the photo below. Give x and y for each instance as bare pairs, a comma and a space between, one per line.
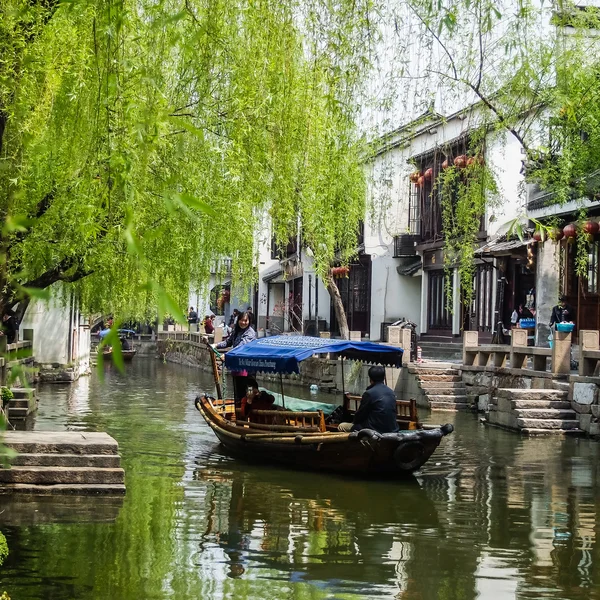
406, 410
311, 420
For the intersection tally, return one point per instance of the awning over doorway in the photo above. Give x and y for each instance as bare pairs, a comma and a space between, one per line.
409, 265
501, 246
274, 276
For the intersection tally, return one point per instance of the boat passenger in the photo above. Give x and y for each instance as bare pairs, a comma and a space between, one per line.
208, 325
256, 399
242, 334
377, 408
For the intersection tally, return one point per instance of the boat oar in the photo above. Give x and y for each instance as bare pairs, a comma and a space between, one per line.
213, 359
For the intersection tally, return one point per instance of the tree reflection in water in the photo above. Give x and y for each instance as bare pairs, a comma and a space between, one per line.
492, 515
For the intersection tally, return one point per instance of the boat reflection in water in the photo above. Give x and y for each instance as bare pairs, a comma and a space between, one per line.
318, 529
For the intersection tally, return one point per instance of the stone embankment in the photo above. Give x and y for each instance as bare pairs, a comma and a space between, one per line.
533, 411
50, 462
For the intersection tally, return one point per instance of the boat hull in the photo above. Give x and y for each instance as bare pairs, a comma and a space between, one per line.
364, 453
126, 354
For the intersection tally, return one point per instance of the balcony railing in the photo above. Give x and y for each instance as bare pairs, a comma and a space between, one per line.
404, 245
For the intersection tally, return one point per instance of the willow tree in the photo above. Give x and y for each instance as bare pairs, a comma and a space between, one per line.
140, 140
527, 68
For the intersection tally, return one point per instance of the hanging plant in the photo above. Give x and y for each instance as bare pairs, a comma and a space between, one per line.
464, 201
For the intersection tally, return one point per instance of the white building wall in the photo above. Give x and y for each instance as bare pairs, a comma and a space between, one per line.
392, 295
60, 334
503, 156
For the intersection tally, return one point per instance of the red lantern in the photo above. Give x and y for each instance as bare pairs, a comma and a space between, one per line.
460, 161
421, 181
570, 231
470, 161
414, 177
556, 234
591, 227
445, 164
344, 271
537, 235
428, 174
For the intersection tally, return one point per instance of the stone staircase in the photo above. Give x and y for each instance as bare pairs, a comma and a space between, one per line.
22, 405
441, 386
533, 411
51, 462
441, 349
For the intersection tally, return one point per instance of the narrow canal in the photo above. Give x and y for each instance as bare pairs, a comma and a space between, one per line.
493, 515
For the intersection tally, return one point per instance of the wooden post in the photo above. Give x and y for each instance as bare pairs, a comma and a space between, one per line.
282, 393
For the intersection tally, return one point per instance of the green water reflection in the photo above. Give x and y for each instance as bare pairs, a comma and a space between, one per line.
491, 516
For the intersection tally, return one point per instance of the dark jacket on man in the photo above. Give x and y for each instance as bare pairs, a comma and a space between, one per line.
562, 313
10, 328
377, 410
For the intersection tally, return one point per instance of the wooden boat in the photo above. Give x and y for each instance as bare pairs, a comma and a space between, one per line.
107, 351
127, 355
303, 439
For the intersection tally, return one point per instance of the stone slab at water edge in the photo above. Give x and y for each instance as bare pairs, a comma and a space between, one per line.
65, 462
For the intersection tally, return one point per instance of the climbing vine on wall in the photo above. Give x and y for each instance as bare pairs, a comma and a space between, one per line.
465, 193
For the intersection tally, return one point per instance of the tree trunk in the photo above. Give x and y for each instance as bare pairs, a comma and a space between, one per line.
338, 307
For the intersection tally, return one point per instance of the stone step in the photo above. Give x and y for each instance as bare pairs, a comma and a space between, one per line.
106, 461
525, 404
440, 378
563, 386
444, 390
548, 424
23, 392
531, 394
568, 432
450, 406
61, 475
438, 365
546, 413
60, 442
21, 403
418, 370
90, 489
447, 398
14, 414
434, 385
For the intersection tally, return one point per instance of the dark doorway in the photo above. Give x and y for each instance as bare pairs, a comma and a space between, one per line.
439, 317
295, 305
481, 314
355, 290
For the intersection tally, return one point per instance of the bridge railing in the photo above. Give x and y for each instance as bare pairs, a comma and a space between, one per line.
517, 354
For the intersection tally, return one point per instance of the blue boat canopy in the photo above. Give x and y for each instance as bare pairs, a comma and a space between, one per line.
102, 334
283, 353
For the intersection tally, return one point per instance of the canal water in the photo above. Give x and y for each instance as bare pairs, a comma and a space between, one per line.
492, 515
